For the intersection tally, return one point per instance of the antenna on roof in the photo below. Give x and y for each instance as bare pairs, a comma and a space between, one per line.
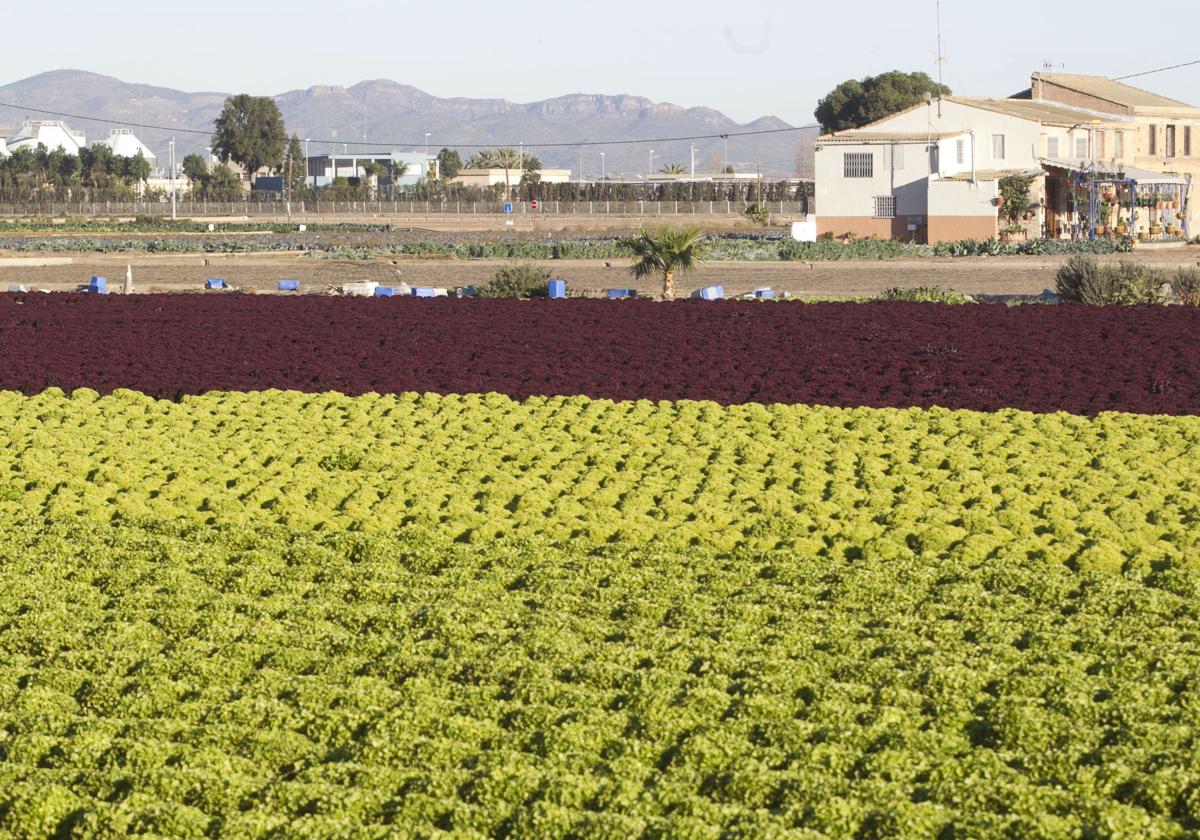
1049, 65
941, 59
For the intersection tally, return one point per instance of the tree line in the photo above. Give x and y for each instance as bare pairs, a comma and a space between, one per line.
95, 174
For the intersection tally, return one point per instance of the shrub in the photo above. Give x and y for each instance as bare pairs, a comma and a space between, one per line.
517, 281
925, 294
1186, 286
1083, 280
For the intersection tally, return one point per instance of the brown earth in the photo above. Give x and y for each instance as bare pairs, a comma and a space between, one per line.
261, 272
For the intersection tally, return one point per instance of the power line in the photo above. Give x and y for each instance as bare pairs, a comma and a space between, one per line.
574, 145
1159, 70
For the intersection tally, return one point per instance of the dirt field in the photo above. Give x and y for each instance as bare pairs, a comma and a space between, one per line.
261, 272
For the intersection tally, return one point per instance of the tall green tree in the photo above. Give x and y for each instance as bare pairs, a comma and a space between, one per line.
295, 169
855, 103
449, 163
665, 253
250, 132
194, 169
221, 184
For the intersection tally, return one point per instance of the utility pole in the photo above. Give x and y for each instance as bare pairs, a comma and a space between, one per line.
651, 163
172, 165
307, 165
693, 161
725, 170
941, 59
603, 177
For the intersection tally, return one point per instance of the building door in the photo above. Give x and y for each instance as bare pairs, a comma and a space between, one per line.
1053, 199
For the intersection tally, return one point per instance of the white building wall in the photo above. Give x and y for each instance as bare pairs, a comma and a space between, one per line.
1022, 137
963, 198
900, 169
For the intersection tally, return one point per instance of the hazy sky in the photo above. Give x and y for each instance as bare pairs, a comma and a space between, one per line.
749, 59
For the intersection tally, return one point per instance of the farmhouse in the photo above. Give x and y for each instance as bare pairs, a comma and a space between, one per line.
1077, 137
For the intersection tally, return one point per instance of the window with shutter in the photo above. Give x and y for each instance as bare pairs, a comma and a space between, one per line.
1052, 147
997, 147
1170, 144
1153, 141
1081, 146
859, 165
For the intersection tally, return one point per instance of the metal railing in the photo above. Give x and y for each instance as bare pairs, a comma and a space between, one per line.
447, 207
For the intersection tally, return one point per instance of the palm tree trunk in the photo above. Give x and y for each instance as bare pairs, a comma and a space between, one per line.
669, 285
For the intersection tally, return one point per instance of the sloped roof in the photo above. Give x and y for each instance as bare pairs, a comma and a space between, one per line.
991, 174
860, 136
1110, 90
1142, 176
1038, 110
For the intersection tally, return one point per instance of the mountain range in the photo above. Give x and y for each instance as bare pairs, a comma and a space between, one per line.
398, 117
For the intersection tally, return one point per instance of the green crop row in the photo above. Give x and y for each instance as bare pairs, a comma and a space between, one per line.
756, 249
1113, 492
250, 682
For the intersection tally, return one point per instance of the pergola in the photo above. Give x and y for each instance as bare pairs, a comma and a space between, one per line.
1125, 184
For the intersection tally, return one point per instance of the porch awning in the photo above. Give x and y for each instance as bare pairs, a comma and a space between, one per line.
1142, 176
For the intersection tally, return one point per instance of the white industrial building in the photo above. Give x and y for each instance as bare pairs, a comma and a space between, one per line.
324, 169
124, 143
53, 134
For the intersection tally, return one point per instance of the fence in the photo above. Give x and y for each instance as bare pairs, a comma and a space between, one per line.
448, 207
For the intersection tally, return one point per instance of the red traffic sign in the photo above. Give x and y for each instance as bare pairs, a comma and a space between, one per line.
533, 204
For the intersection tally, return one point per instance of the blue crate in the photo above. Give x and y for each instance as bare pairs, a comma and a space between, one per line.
621, 293
289, 285
424, 292
215, 283
385, 291
557, 289
98, 285
710, 293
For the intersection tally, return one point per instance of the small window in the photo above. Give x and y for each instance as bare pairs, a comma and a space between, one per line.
897, 157
960, 152
1119, 144
997, 147
1052, 147
1187, 141
1153, 141
1170, 144
1081, 146
1100, 145
859, 165
885, 207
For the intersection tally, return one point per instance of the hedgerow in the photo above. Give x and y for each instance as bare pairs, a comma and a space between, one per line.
1114, 493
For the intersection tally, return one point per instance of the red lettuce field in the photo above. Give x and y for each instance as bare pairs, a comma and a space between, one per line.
1038, 358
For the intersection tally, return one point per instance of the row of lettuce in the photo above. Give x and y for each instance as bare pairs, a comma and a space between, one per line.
1116, 492
750, 249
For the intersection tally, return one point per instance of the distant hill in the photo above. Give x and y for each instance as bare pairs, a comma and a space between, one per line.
400, 115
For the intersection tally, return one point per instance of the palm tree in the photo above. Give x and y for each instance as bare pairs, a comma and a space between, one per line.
673, 169
506, 159
666, 252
